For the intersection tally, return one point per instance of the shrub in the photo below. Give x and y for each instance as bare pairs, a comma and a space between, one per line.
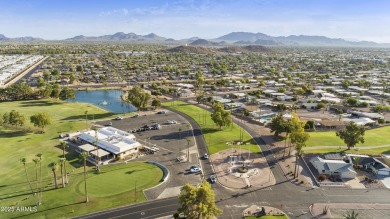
381, 121
321, 177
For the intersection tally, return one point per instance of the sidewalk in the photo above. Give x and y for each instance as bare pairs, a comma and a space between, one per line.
336, 210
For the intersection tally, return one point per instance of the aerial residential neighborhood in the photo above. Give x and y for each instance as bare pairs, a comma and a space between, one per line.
194, 109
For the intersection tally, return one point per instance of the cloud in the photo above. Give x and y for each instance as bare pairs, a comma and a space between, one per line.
115, 12
156, 10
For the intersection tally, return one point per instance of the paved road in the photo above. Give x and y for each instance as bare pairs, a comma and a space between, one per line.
145, 210
207, 169
292, 199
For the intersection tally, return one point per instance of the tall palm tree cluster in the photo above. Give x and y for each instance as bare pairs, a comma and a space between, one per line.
36, 183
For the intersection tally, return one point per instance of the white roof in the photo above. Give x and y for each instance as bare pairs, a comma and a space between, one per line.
87, 147
111, 139
101, 153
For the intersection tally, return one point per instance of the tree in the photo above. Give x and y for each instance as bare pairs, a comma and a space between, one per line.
62, 164
83, 156
278, 125
352, 134
72, 78
55, 93
198, 203
67, 93
281, 107
138, 97
16, 118
36, 161
45, 91
188, 148
40, 156
156, 103
23, 160
86, 119
180, 133
41, 120
64, 145
54, 167
352, 102
281, 89
220, 116
41, 82
350, 215
200, 98
6, 118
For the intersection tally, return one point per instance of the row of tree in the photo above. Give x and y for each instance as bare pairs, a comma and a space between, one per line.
294, 133
17, 119
22, 91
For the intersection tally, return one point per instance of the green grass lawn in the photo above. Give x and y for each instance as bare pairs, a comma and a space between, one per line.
215, 138
373, 137
113, 180
362, 150
63, 202
267, 217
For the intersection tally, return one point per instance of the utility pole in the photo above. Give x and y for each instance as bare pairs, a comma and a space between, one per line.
135, 191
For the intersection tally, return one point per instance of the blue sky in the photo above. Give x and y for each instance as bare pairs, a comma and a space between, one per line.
55, 19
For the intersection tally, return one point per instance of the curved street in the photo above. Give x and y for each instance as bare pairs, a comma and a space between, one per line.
292, 199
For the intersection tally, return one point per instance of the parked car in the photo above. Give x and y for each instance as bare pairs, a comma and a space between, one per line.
212, 179
156, 127
170, 122
206, 156
146, 127
118, 118
195, 170
109, 124
135, 116
161, 112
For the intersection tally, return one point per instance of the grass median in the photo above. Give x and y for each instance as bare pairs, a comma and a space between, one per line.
215, 138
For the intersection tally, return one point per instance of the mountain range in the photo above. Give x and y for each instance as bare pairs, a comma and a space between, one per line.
19, 39
234, 38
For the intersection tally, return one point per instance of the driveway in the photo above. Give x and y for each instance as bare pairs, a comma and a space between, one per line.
355, 183
385, 181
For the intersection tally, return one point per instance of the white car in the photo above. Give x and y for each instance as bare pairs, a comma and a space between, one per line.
213, 179
195, 170
118, 118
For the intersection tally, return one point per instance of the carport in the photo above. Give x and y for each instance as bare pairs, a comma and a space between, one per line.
102, 155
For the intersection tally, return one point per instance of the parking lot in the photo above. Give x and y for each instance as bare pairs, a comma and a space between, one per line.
170, 140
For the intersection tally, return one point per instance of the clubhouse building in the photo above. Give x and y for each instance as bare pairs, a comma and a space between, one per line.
106, 144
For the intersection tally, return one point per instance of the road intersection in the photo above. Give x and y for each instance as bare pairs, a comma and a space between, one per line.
290, 198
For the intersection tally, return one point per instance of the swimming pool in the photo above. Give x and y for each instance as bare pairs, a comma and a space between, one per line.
265, 119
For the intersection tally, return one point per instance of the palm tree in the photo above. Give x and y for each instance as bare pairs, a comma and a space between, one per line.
64, 145
188, 149
86, 119
54, 167
97, 150
350, 215
40, 156
180, 133
84, 155
298, 154
23, 160
36, 161
62, 163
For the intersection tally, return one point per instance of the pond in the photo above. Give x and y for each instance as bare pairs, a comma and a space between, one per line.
109, 100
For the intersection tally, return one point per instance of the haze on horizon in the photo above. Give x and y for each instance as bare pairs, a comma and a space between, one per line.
178, 19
